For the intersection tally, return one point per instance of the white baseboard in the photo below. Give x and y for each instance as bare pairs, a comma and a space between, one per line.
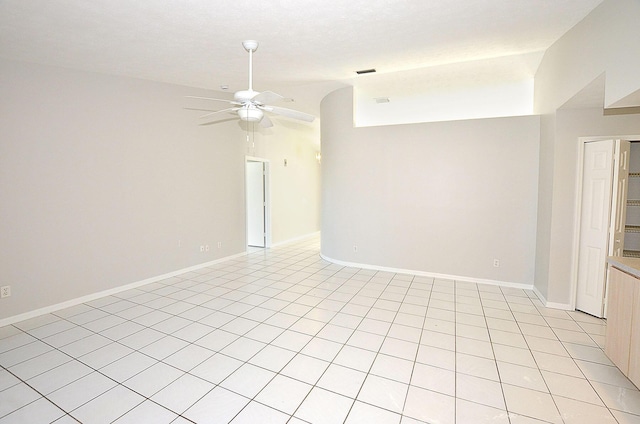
430, 274
115, 290
296, 239
109, 292
93, 296
552, 305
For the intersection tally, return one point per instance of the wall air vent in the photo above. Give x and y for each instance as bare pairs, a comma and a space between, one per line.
382, 100
365, 71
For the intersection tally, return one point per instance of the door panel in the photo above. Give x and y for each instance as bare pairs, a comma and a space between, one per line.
619, 204
621, 177
594, 225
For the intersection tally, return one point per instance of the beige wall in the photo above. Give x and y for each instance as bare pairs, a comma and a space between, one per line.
442, 198
106, 181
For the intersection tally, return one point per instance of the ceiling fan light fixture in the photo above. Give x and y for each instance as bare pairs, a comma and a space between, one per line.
251, 105
250, 114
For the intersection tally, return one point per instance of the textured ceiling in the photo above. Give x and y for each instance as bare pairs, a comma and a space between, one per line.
198, 42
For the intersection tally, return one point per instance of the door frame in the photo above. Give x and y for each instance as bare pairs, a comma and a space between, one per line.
267, 200
578, 212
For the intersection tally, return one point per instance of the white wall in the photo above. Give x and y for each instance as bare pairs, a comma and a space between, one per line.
545, 203
476, 89
443, 198
295, 188
570, 126
606, 41
106, 181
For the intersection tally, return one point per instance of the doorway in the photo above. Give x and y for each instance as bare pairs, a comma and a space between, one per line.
257, 200
604, 170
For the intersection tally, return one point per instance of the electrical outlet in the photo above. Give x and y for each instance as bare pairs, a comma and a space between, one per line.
219, 244
5, 291
496, 263
206, 247
202, 248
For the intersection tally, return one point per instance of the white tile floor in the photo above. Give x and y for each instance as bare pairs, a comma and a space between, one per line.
281, 336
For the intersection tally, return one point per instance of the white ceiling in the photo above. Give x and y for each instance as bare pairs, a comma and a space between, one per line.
198, 42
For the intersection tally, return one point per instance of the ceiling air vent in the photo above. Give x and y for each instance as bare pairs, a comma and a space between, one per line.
365, 71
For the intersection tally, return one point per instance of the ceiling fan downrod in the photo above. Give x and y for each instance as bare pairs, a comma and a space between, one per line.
250, 46
251, 105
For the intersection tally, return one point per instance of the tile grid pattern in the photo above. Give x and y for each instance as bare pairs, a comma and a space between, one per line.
282, 336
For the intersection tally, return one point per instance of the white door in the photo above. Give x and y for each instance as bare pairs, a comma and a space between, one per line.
602, 219
255, 204
595, 216
621, 177
619, 205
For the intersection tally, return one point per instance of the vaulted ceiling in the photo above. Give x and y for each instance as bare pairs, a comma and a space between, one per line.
198, 42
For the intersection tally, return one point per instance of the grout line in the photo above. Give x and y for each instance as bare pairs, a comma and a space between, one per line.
296, 276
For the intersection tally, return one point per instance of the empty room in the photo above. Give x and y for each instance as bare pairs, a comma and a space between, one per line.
380, 212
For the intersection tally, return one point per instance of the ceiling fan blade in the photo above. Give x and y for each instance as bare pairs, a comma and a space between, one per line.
265, 122
289, 113
231, 109
199, 109
267, 97
215, 100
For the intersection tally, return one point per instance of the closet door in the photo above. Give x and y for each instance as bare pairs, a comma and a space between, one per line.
602, 219
595, 221
621, 179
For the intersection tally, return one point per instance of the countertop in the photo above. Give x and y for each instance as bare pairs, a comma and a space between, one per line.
629, 265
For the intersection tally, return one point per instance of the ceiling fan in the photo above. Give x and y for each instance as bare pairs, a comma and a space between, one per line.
250, 105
